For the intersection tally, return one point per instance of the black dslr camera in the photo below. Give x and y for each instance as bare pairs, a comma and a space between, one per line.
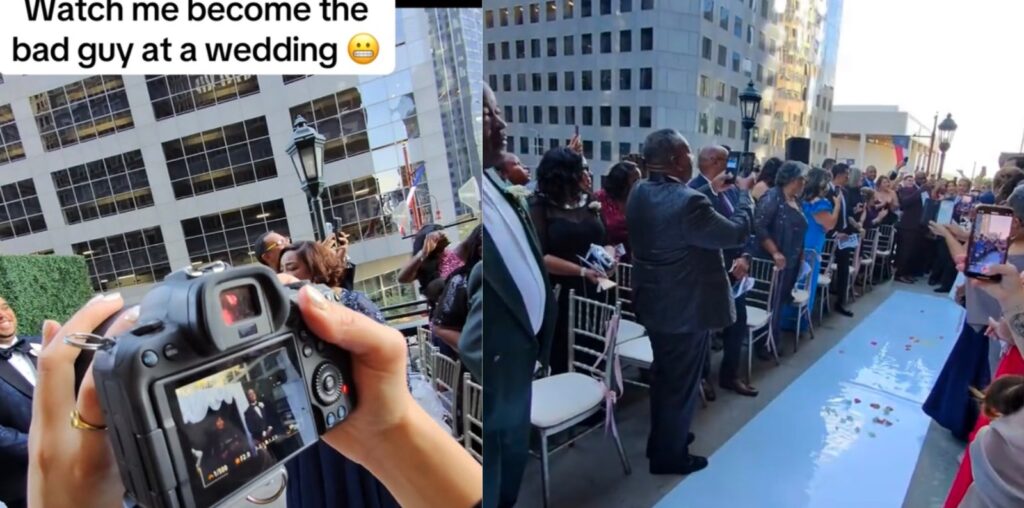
219, 383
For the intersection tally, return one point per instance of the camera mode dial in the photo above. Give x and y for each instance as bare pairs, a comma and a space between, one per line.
327, 383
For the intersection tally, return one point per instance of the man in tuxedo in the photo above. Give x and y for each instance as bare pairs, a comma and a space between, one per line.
845, 227
17, 381
520, 320
256, 418
680, 286
910, 236
711, 163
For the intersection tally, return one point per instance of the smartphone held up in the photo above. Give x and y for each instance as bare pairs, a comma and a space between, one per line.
989, 241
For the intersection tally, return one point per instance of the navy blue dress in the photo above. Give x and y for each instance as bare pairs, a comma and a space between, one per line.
320, 476
950, 403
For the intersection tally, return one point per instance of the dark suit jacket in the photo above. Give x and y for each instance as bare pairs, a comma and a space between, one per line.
255, 422
471, 341
677, 237
702, 185
15, 418
912, 207
510, 353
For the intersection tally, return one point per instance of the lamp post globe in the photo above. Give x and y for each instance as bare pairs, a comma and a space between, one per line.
306, 152
750, 106
946, 131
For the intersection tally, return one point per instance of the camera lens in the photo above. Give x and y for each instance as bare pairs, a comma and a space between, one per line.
325, 383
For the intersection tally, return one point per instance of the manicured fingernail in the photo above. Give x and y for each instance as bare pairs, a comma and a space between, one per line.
132, 315
112, 296
95, 299
315, 298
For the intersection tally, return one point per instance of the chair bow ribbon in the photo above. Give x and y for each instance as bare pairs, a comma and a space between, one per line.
611, 395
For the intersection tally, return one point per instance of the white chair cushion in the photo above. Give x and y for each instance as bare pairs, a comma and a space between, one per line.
867, 261
630, 330
883, 253
638, 351
756, 318
824, 280
800, 296
561, 397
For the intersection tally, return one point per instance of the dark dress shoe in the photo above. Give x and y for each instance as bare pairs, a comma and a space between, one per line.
842, 310
741, 388
690, 438
709, 391
692, 464
943, 290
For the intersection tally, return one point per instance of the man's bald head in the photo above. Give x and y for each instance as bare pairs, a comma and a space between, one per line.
711, 161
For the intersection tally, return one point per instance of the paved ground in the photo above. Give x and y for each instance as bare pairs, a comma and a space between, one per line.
589, 474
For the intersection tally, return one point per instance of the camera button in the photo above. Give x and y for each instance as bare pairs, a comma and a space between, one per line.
170, 351
147, 328
331, 420
150, 358
307, 350
342, 412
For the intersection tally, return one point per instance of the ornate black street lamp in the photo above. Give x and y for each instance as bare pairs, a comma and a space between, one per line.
307, 153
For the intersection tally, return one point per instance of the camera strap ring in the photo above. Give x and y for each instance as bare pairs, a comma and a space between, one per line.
87, 341
267, 500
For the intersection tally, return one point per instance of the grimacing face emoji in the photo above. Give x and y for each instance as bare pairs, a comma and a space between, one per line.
363, 48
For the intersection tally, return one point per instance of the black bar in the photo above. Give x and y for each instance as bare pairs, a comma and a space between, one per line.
456, 4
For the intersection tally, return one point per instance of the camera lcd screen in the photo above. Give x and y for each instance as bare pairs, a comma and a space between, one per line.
238, 304
990, 241
239, 418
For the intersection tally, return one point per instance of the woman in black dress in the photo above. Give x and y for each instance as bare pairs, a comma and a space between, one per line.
567, 223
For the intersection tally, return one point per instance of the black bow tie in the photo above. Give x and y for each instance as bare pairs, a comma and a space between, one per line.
21, 345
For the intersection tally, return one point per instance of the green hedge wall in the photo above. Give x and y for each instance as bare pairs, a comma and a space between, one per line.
43, 287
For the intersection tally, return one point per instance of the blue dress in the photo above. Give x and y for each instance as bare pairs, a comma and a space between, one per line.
814, 239
320, 476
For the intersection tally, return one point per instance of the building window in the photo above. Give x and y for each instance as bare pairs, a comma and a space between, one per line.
520, 50
702, 123
567, 8
10, 139
569, 81
585, 7
489, 18
606, 7
624, 116
363, 207
588, 149
228, 235
754, 135
567, 46
760, 73
722, 55
626, 6
734, 96
20, 213
103, 187
750, 35
535, 79
606, 42
510, 144
553, 115
534, 13
522, 115
723, 19
625, 41
385, 291
220, 158
606, 150
764, 9
760, 41
570, 115
552, 46
606, 80
646, 5
355, 120
552, 81
646, 39
521, 82
587, 79
737, 27
503, 16
720, 91
709, 10
645, 116
178, 95
732, 129
704, 86
81, 111
506, 82
606, 116
718, 126
735, 61
492, 52
646, 78
534, 48
588, 115
126, 259
586, 44
770, 78
625, 79
508, 113
538, 115
551, 12
623, 150
505, 54
524, 145
705, 48
493, 81
291, 78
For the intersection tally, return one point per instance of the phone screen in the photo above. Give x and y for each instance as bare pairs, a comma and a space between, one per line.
990, 241
733, 163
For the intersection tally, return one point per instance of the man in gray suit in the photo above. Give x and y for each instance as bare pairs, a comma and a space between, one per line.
681, 288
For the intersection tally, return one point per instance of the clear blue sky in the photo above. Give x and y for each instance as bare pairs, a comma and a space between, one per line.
944, 56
